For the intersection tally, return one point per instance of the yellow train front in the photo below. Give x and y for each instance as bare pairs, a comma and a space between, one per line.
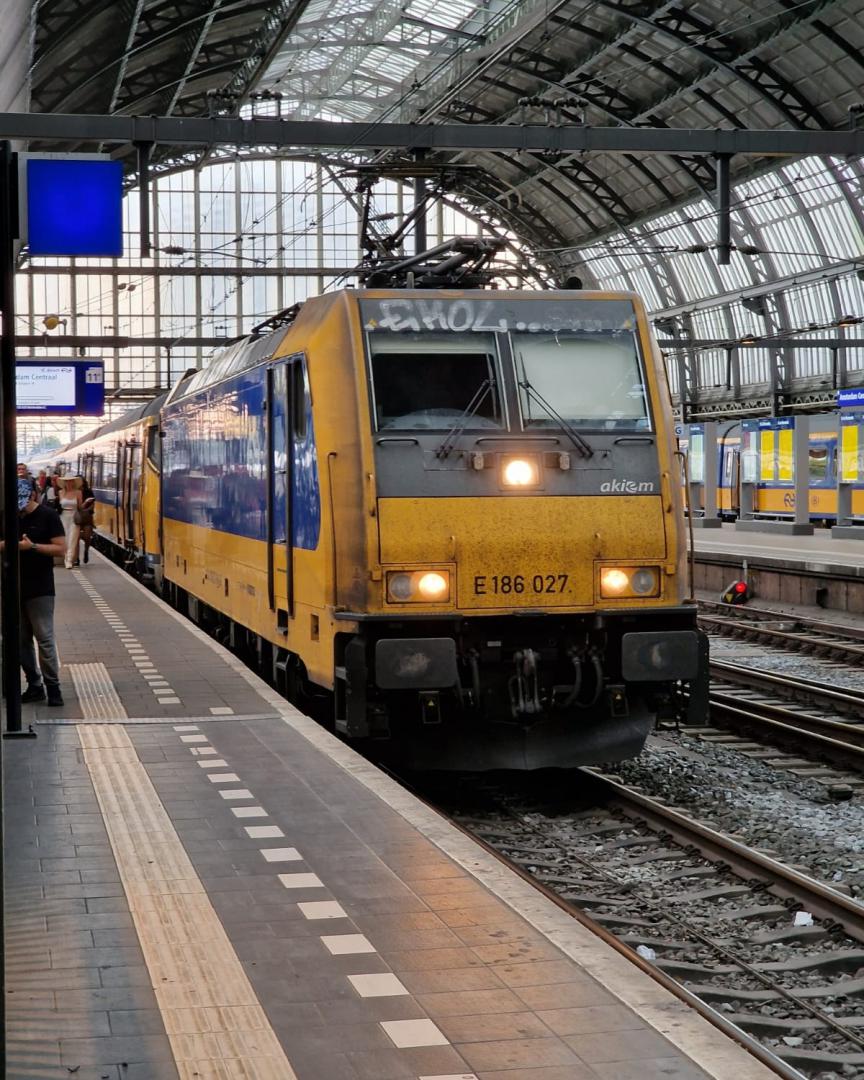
455, 514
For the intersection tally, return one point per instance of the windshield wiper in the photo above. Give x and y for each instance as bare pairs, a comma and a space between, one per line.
582, 445
470, 410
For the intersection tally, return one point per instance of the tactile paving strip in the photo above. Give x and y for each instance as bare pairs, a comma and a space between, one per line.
96, 692
212, 1017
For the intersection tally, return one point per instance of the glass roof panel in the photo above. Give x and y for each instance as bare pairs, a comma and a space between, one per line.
356, 59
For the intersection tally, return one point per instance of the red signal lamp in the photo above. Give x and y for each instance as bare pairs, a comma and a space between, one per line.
736, 593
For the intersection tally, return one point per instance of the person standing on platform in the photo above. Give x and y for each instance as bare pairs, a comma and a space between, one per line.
70, 504
41, 539
85, 517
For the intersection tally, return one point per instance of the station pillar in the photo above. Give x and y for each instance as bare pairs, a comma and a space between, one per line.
849, 468
801, 524
705, 480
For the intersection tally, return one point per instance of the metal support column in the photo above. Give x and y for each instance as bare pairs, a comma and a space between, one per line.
724, 228
801, 453
9, 614
420, 223
144, 149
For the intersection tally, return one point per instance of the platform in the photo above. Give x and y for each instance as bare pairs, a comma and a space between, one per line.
203, 883
817, 554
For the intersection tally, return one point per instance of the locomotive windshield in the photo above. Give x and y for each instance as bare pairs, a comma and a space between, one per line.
594, 380
428, 381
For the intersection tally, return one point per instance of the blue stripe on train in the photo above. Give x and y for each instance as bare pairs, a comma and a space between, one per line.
214, 462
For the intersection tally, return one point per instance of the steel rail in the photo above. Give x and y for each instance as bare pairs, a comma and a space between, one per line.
748, 676
714, 1017
749, 613
800, 639
794, 726
820, 899
668, 982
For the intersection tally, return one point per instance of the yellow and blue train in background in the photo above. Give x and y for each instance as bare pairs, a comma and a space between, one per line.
450, 521
774, 490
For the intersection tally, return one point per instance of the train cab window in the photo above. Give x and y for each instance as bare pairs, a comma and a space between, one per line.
428, 382
818, 463
592, 380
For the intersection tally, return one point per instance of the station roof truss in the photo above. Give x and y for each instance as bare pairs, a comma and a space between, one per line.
640, 217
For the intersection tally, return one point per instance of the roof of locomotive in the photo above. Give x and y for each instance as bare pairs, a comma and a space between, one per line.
250, 351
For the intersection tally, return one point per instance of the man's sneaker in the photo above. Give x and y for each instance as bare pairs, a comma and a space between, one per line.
33, 693
54, 695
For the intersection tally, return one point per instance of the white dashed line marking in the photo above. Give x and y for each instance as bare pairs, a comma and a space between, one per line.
450, 1076
384, 985
324, 909
347, 944
301, 881
406, 1033
403, 1034
281, 854
136, 651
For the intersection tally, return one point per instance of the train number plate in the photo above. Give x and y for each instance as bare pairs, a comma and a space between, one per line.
520, 584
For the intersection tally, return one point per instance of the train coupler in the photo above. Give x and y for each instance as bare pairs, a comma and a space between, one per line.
524, 686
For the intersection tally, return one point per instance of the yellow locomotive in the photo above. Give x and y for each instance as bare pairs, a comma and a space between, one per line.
450, 519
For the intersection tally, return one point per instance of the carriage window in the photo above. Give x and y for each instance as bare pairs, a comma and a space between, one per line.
154, 446
299, 399
426, 382
818, 462
592, 380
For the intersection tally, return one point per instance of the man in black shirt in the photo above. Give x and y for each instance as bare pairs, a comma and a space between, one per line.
41, 538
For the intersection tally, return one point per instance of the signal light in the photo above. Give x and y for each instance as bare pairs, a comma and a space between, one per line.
736, 593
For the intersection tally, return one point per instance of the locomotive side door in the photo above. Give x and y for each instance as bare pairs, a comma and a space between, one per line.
281, 384
119, 484
133, 491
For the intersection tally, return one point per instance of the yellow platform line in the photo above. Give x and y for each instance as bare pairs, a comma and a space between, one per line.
96, 692
215, 1024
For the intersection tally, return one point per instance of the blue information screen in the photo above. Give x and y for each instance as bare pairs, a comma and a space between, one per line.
60, 387
74, 207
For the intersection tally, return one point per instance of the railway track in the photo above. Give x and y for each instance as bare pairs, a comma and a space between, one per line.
786, 714
791, 632
805, 726
762, 945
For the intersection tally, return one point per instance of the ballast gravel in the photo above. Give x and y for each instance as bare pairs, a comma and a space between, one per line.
790, 817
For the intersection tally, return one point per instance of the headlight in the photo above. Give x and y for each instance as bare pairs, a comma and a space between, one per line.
433, 586
519, 472
418, 586
629, 581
